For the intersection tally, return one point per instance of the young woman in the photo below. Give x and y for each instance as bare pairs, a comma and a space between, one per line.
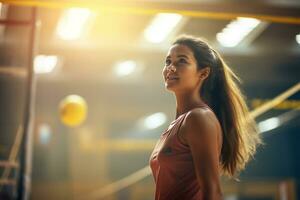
212, 134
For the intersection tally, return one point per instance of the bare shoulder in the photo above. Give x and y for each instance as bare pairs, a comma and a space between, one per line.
199, 122
200, 118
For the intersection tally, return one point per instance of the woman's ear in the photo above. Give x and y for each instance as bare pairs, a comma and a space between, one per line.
204, 73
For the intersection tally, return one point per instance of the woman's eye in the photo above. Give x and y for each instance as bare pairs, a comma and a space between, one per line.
182, 61
168, 62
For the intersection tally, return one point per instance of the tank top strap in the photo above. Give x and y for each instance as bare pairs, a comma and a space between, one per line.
176, 140
180, 121
176, 124
184, 114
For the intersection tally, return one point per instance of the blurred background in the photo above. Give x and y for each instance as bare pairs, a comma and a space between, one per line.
82, 98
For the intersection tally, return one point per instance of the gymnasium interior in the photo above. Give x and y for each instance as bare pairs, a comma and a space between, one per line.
83, 100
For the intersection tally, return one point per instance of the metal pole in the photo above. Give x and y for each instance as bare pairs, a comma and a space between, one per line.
24, 183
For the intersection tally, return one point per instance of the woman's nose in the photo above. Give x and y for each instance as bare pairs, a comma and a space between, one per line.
171, 68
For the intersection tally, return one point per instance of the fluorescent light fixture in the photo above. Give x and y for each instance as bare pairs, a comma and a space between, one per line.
161, 26
236, 31
45, 64
72, 23
269, 124
125, 68
44, 133
275, 122
298, 38
155, 120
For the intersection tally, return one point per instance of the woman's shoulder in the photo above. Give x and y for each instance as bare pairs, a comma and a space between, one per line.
200, 112
199, 115
200, 120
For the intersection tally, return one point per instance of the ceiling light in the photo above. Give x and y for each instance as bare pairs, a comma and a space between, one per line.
125, 68
268, 124
236, 31
44, 133
72, 23
155, 120
161, 26
298, 38
45, 64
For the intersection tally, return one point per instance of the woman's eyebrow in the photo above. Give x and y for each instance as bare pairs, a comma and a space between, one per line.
183, 56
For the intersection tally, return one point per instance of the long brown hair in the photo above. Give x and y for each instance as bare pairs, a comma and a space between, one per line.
221, 92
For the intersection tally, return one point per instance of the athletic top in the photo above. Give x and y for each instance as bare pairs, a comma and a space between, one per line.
172, 166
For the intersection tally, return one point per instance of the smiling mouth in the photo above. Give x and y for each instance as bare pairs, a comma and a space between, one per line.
172, 79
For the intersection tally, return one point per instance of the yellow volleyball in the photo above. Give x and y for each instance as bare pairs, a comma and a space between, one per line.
73, 110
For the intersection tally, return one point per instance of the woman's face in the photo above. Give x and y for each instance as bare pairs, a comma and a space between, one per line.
180, 71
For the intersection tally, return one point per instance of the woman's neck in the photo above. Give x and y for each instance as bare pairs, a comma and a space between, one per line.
186, 102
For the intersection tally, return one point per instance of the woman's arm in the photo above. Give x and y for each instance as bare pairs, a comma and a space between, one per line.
202, 135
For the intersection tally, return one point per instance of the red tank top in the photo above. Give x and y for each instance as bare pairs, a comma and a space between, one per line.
172, 166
